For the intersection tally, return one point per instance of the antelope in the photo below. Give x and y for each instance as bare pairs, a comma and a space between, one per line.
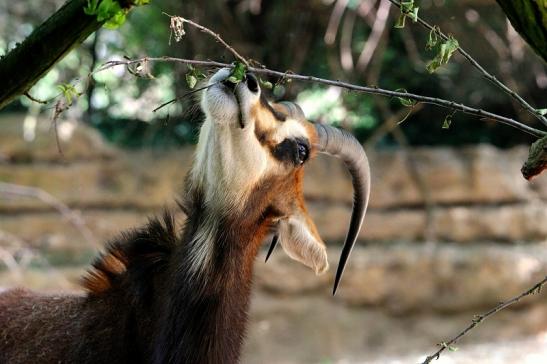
157, 295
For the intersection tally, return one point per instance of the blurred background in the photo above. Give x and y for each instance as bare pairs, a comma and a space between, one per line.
452, 230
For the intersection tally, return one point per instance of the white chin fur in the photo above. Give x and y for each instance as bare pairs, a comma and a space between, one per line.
221, 106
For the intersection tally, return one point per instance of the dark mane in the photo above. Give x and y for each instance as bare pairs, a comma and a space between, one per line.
134, 258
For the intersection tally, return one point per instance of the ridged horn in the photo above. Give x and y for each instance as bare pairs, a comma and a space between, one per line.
342, 144
293, 110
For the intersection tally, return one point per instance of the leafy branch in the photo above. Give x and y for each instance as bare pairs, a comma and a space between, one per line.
451, 105
479, 318
437, 32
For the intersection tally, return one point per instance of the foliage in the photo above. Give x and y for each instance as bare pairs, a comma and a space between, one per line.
529, 18
408, 9
446, 50
121, 105
109, 11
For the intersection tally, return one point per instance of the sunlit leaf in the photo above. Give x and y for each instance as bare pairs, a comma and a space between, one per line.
68, 91
400, 23
116, 20
433, 38
448, 120
542, 111
191, 80
238, 73
405, 101
91, 7
265, 84
107, 9
407, 9
446, 50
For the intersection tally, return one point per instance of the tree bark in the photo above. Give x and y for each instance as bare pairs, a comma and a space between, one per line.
529, 18
22, 67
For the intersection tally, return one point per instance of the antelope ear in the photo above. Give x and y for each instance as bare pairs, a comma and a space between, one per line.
299, 238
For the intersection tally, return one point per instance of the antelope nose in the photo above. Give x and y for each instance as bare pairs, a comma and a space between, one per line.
252, 82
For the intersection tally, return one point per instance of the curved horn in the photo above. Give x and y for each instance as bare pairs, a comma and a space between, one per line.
343, 145
293, 110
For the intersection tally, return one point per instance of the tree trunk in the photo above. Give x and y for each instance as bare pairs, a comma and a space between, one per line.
529, 18
22, 67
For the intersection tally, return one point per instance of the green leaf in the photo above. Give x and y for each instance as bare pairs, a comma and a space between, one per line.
116, 21
405, 101
265, 84
414, 14
107, 9
406, 6
400, 23
141, 2
91, 7
68, 91
449, 347
542, 111
191, 80
238, 73
433, 38
407, 10
448, 120
446, 50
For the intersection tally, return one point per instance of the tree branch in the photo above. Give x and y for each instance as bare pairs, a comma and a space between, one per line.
484, 72
365, 89
217, 37
23, 66
479, 318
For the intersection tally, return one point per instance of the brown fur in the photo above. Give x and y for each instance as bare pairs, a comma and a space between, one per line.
132, 313
144, 304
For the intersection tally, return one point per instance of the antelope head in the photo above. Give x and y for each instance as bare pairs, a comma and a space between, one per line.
249, 163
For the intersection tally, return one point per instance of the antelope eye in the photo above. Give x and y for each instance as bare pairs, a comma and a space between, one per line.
303, 152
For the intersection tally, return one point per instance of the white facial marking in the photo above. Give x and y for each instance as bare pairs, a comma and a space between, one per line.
290, 128
229, 159
299, 244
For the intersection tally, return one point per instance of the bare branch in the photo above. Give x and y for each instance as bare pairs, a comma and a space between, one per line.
183, 96
479, 318
484, 72
31, 98
214, 35
71, 216
484, 115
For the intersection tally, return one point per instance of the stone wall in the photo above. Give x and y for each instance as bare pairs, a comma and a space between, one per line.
460, 232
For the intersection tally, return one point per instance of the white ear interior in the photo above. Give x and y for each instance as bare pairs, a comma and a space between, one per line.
301, 245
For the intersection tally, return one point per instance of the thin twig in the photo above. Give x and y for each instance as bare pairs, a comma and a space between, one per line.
479, 318
484, 115
71, 216
183, 96
214, 35
31, 98
481, 69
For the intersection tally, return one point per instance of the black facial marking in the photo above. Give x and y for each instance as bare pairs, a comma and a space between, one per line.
279, 116
252, 83
294, 151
